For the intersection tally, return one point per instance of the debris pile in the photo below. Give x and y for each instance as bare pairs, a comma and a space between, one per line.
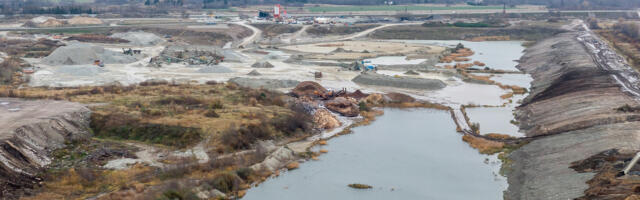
347, 107
309, 88
188, 56
323, 119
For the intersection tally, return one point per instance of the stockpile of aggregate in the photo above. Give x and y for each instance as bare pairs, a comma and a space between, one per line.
139, 38
84, 54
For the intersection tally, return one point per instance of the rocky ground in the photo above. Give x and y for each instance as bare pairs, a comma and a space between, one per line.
29, 132
579, 109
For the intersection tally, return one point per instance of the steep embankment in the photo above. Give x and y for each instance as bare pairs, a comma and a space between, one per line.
576, 104
29, 131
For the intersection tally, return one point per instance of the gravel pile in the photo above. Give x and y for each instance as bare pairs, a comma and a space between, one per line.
254, 73
80, 70
214, 69
85, 54
262, 65
139, 38
264, 83
399, 82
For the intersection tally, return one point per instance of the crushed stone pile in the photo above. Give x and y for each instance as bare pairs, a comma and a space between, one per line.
399, 82
84, 54
214, 69
411, 72
262, 65
254, 73
139, 38
80, 70
264, 83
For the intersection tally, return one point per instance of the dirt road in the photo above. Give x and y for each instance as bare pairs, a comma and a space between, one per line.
254, 37
371, 30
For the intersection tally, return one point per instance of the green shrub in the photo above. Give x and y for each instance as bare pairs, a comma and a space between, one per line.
363, 106
225, 182
125, 127
244, 173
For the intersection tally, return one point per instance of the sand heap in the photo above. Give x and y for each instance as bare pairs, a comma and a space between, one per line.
41, 19
84, 21
51, 23
139, 38
83, 54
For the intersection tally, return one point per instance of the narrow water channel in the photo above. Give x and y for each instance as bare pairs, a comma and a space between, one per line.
404, 154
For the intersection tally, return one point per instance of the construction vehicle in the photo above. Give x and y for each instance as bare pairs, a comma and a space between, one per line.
98, 63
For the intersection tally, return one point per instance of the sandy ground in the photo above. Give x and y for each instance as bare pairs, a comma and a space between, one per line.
360, 46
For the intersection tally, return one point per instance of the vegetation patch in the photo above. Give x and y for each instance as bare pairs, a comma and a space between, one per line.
483, 145
359, 186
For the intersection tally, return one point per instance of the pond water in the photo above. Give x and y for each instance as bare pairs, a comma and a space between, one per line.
495, 54
494, 120
424, 159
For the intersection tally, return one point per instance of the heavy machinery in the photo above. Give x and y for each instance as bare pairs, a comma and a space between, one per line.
279, 13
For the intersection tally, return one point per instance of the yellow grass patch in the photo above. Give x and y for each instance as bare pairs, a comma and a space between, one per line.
483, 145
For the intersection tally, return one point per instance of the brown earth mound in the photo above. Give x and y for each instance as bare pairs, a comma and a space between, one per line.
309, 88
400, 98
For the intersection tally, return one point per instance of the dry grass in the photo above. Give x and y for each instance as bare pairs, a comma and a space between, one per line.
484, 146
499, 136
507, 96
293, 165
75, 184
181, 106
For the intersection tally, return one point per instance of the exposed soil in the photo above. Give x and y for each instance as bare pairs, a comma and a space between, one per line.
97, 39
272, 30
318, 30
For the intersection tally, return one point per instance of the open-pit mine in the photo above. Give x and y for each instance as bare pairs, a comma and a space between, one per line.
199, 107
